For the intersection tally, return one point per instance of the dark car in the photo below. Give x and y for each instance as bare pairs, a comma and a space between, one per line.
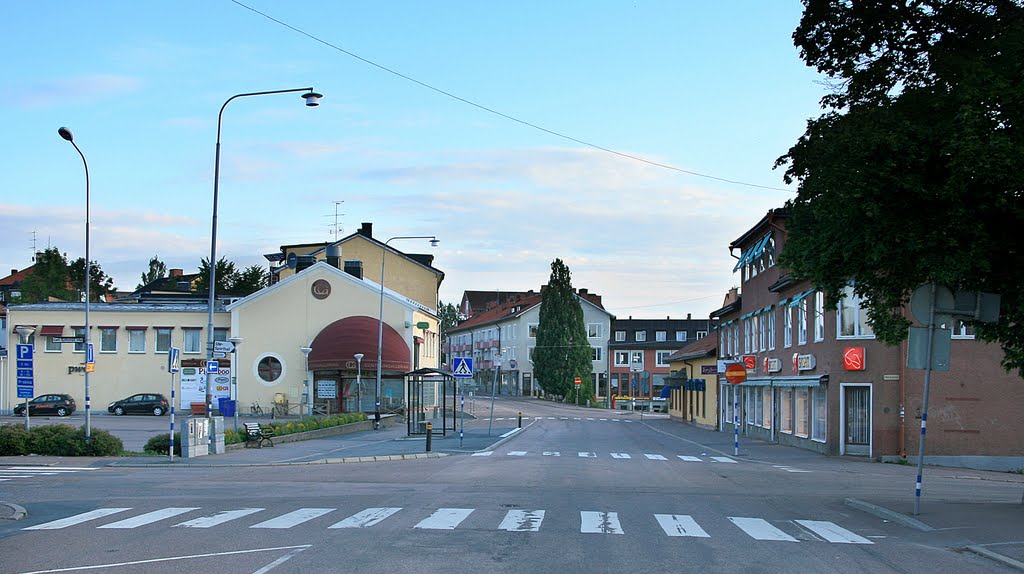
141, 404
60, 405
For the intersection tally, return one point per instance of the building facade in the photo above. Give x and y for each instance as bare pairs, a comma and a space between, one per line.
639, 351
694, 383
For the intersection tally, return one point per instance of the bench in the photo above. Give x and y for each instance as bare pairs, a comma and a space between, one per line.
256, 435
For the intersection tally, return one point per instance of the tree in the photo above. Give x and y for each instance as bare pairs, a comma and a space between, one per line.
48, 279
226, 273
249, 281
157, 270
99, 284
914, 172
448, 317
562, 352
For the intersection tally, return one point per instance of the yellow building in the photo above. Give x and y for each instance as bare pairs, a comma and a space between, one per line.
694, 381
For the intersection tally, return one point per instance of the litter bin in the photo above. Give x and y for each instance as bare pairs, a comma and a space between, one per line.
226, 407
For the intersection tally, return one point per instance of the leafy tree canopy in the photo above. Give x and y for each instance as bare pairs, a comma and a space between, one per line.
562, 352
915, 172
49, 278
99, 284
157, 270
226, 275
250, 280
448, 317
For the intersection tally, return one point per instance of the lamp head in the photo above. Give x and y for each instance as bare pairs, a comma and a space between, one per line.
25, 331
312, 99
66, 134
306, 350
359, 356
434, 241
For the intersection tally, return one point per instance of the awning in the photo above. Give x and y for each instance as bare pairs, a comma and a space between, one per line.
51, 331
796, 300
794, 381
754, 252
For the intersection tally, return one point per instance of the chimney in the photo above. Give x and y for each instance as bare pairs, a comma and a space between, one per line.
354, 268
13, 271
688, 316
334, 255
176, 273
583, 292
366, 230
304, 262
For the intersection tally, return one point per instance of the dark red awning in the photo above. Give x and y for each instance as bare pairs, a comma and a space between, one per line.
52, 331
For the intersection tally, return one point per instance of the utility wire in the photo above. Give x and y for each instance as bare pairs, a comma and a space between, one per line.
500, 114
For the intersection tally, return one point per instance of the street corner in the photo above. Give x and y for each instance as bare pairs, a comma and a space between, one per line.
11, 511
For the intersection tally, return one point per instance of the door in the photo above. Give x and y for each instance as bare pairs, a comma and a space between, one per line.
857, 420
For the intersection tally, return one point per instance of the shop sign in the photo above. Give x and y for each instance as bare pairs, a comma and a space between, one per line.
803, 362
709, 369
321, 289
772, 365
853, 359
750, 362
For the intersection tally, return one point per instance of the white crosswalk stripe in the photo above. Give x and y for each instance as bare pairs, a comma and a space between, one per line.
14, 472
484, 453
722, 459
689, 458
621, 455
516, 453
516, 520
588, 455
655, 457
552, 453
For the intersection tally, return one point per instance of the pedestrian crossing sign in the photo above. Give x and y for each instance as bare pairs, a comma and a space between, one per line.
462, 367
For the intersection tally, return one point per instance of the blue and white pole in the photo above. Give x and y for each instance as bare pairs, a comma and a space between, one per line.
170, 452
736, 420
462, 421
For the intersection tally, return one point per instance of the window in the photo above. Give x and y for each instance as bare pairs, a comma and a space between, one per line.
529, 351
681, 336
701, 335
770, 319
661, 335
748, 336
787, 330
801, 411
818, 411
163, 339
220, 334
641, 336
819, 316
637, 359
735, 340
762, 337
786, 410
766, 406
662, 358
80, 332
108, 340
962, 330
593, 330
620, 336
533, 330
136, 341
595, 353
269, 369
192, 341
853, 320
801, 323
621, 358
51, 346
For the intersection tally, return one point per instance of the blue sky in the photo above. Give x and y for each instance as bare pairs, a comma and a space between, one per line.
710, 87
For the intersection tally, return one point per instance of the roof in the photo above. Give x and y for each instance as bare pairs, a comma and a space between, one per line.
17, 277
509, 309
479, 300
699, 349
119, 307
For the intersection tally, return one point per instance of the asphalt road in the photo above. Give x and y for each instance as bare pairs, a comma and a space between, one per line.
569, 492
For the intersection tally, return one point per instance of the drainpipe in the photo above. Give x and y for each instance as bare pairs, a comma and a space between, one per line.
903, 395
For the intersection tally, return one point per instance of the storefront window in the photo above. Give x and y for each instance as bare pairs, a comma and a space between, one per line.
766, 406
786, 409
819, 410
801, 412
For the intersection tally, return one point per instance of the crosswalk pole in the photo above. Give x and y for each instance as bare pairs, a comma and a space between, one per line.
736, 421
462, 421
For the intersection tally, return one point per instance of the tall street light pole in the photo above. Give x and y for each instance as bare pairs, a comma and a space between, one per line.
380, 318
359, 381
67, 135
312, 100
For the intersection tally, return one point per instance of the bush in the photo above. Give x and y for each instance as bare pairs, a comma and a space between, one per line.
56, 440
161, 443
101, 443
14, 440
312, 423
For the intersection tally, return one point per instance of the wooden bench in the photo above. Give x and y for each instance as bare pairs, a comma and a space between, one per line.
256, 435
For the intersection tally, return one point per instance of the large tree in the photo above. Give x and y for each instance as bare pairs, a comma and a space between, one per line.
226, 275
562, 352
99, 284
250, 280
48, 279
915, 172
157, 270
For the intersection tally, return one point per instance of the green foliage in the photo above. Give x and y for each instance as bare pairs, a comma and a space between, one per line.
226, 275
157, 270
562, 352
313, 423
101, 443
57, 440
49, 278
14, 440
99, 285
914, 174
448, 317
161, 443
249, 281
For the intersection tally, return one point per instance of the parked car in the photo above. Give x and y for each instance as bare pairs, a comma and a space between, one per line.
141, 404
60, 405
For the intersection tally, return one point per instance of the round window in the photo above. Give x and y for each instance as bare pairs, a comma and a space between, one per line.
269, 369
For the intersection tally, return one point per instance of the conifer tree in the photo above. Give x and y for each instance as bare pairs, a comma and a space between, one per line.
562, 352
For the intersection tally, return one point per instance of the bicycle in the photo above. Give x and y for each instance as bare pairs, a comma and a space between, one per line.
256, 410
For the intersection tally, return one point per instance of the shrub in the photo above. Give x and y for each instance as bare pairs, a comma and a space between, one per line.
161, 443
101, 443
56, 440
14, 440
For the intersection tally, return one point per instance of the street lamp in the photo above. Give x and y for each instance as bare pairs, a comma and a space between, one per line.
380, 318
24, 331
67, 135
359, 381
309, 387
312, 99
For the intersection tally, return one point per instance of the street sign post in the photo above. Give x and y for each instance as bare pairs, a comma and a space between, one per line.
26, 376
173, 366
736, 373
223, 346
462, 368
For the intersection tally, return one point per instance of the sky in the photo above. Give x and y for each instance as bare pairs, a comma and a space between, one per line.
634, 140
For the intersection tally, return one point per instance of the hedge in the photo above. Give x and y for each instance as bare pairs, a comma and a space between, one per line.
57, 440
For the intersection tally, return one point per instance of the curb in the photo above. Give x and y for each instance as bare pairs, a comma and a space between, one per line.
1004, 560
346, 460
887, 514
11, 511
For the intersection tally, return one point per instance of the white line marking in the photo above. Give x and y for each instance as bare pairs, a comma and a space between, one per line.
511, 432
170, 559
689, 458
613, 420
588, 455
77, 519
620, 455
551, 418
760, 529
25, 473
551, 453
149, 517
723, 459
829, 531
278, 562
516, 453
219, 518
522, 521
590, 418
627, 421
600, 522
444, 519
56, 468
655, 457
10, 476
292, 518
484, 453
680, 525
606, 420
365, 518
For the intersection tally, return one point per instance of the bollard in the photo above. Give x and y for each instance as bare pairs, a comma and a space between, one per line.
520, 420
430, 433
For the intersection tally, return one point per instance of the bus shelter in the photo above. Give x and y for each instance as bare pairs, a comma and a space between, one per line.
431, 395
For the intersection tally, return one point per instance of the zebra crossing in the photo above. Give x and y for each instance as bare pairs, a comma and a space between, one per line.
628, 456
441, 519
8, 473
591, 419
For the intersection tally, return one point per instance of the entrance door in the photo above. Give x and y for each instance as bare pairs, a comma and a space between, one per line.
857, 420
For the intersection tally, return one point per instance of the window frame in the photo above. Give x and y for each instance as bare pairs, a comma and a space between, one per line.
103, 339
160, 333
135, 335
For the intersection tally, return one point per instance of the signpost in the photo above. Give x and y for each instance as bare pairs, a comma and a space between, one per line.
736, 373
26, 377
173, 367
462, 368
577, 381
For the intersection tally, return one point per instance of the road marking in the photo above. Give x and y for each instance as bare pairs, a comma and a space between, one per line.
24, 473
627, 421
522, 521
52, 468
613, 420
689, 458
366, 518
563, 418
10, 476
551, 418
511, 432
292, 518
219, 518
788, 469
600, 522
590, 418
173, 558
588, 455
149, 517
829, 531
516, 453
655, 457
484, 453
723, 459
760, 529
77, 519
680, 525
444, 519
606, 420
620, 455
552, 453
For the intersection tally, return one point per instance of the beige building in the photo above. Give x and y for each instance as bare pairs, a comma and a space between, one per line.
694, 383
